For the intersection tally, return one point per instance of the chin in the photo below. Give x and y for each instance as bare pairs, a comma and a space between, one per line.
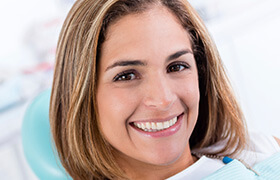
165, 156
166, 161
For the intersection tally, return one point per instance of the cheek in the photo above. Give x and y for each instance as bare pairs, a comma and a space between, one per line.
190, 96
114, 107
116, 101
189, 93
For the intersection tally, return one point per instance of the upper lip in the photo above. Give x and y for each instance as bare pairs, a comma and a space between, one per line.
158, 119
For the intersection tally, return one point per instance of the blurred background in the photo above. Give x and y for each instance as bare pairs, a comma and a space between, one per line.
246, 33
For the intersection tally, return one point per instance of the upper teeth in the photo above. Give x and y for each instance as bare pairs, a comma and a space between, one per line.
155, 126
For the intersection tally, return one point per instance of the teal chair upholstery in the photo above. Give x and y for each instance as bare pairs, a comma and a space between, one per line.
37, 142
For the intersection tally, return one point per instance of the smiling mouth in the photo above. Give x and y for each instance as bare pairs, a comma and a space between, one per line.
156, 126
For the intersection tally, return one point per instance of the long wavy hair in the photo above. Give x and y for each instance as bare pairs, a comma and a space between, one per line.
82, 149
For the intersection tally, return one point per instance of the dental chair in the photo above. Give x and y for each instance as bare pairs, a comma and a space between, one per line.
37, 143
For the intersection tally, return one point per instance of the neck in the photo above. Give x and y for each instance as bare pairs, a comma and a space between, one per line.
140, 170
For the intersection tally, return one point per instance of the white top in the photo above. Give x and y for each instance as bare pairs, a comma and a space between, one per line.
260, 147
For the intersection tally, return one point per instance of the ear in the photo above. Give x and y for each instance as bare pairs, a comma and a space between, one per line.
278, 140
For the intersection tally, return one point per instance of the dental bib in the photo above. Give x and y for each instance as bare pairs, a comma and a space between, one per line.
267, 169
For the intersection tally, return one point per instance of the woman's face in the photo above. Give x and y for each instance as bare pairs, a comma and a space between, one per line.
148, 92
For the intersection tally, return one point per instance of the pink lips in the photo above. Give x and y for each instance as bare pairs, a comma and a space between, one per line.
163, 133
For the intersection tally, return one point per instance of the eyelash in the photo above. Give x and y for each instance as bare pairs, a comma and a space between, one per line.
182, 64
120, 76
124, 75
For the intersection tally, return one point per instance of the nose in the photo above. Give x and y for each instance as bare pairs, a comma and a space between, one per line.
159, 94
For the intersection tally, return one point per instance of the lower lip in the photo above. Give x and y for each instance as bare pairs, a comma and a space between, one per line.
163, 133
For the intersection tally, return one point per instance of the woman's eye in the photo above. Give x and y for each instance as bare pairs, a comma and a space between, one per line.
125, 76
177, 67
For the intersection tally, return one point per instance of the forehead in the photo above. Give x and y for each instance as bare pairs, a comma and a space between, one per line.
148, 32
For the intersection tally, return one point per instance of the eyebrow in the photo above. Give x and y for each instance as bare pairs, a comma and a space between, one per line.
178, 54
126, 63
141, 63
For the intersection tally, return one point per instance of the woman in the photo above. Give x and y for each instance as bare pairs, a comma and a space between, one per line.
140, 92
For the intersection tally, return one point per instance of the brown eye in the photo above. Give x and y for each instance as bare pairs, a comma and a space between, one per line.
126, 76
177, 67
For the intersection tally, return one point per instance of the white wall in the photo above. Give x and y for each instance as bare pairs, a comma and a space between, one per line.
28, 35
246, 33
248, 40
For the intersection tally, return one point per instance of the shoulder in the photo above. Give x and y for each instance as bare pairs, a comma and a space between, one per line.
263, 143
260, 147
277, 140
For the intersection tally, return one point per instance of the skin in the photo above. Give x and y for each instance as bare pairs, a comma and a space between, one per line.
277, 140
158, 86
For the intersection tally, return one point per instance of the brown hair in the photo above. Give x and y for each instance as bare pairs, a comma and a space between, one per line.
83, 151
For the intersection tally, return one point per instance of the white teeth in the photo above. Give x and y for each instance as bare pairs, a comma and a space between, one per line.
138, 125
166, 124
159, 126
148, 125
155, 126
142, 126
174, 120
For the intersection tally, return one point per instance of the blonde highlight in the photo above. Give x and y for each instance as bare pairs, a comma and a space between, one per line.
83, 151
